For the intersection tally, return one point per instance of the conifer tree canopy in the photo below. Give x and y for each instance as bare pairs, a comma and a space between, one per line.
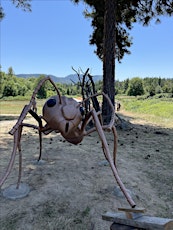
125, 14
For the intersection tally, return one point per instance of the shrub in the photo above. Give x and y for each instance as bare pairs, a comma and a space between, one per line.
135, 87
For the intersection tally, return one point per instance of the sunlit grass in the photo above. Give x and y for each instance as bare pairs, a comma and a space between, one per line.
15, 107
154, 110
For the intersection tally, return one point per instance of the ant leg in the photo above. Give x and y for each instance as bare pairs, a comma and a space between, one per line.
115, 146
37, 118
13, 155
115, 143
114, 170
39, 130
20, 156
40, 141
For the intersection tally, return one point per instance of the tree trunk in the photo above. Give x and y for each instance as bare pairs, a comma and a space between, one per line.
109, 57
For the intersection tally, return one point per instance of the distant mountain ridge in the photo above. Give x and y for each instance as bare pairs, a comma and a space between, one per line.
63, 80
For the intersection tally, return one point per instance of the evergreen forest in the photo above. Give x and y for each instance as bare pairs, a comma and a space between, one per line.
12, 87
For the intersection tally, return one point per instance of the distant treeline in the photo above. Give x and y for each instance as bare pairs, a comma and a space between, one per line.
12, 86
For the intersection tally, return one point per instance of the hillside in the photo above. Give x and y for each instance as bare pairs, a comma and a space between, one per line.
63, 80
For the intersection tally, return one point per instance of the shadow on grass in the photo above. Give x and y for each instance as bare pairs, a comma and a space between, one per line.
8, 117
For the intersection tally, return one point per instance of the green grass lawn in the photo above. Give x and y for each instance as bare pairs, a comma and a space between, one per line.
15, 107
157, 111
11, 107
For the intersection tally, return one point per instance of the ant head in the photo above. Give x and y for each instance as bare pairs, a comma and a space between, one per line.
63, 116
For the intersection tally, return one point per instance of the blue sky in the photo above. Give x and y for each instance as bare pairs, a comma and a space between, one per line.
55, 36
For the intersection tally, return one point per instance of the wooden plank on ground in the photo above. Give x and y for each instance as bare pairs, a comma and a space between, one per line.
134, 210
121, 227
145, 222
132, 213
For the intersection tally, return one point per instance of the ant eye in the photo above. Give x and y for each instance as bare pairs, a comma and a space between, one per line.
51, 102
82, 111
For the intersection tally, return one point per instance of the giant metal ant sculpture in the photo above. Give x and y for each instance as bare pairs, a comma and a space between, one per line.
67, 116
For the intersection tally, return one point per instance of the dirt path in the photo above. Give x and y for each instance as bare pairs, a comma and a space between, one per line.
75, 185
